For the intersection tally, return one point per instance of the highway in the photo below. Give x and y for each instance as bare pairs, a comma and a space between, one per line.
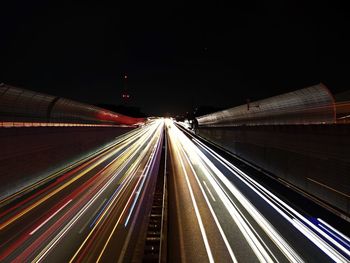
88, 212
92, 211
221, 214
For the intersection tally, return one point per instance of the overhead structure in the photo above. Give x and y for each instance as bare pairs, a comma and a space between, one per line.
312, 105
24, 105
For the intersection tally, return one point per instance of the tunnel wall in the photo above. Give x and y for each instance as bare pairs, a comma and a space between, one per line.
315, 158
29, 154
312, 105
22, 105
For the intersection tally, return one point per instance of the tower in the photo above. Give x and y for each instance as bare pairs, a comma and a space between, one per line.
125, 94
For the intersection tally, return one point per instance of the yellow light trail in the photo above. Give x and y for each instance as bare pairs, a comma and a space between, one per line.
142, 139
39, 202
104, 214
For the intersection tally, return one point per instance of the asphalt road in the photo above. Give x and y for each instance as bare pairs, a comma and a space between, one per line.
86, 213
217, 212
222, 214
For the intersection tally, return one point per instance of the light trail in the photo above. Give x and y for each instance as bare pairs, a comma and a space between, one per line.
124, 210
97, 201
81, 212
341, 236
88, 240
284, 209
45, 251
280, 206
115, 166
236, 215
106, 156
77, 165
50, 217
199, 218
211, 195
228, 247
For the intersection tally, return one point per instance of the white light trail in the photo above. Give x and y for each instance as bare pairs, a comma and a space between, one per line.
199, 218
250, 234
280, 206
68, 226
43, 223
222, 233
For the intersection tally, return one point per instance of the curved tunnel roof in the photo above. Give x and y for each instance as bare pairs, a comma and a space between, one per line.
18, 104
312, 105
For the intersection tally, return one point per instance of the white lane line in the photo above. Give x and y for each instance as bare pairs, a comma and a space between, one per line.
228, 246
264, 224
211, 195
43, 223
281, 207
199, 219
254, 240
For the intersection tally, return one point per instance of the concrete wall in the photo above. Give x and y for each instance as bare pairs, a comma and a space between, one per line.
315, 158
29, 154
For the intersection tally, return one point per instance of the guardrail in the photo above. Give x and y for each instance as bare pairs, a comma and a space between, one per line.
155, 249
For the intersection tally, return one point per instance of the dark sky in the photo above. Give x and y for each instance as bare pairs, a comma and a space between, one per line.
175, 53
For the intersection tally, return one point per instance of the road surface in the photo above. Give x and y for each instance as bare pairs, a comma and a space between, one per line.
224, 215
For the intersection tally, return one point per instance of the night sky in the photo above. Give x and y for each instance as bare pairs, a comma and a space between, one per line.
176, 54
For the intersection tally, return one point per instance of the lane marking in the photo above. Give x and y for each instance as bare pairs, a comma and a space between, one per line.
228, 246
280, 206
211, 195
199, 219
254, 240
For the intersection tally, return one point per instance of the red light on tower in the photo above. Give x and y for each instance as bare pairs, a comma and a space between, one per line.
125, 94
